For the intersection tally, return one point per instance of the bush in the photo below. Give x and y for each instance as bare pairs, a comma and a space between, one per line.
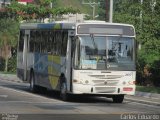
148, 68
2, 64
12, 63
155, 76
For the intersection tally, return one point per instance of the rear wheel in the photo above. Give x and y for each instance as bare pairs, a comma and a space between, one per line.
63, 92
33, 87
118, 98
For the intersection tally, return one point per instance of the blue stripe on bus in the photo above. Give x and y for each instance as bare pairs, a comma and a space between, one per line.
41, 63
50, 26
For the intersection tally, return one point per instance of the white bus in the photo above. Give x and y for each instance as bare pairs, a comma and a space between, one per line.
90, 58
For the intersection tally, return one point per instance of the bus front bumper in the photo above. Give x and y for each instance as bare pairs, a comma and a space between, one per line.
108, 90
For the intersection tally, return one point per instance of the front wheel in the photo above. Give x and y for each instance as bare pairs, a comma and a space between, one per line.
118, 98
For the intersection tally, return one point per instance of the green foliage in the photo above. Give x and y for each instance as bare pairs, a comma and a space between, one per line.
61, 11
75, 4
11, 64
10, 29
39, 10
102, 10
14, 13
2, 64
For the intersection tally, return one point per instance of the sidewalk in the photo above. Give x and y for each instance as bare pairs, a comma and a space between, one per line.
10, 77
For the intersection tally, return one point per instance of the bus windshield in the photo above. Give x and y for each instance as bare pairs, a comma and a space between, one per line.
101, 52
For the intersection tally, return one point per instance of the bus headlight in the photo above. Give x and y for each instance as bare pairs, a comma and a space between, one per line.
86, 82
80, 81
77, 81
132, 82
124, 83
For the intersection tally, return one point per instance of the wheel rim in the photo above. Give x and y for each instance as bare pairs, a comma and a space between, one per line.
63, 89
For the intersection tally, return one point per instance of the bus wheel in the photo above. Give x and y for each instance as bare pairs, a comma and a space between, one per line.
33, 87
63, 92
118, 98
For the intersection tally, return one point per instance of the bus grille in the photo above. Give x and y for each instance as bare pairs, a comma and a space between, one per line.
105, 82
105, 89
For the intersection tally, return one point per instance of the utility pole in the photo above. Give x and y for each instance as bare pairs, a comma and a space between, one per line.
141, 14
111, 12
50, 17
93, 5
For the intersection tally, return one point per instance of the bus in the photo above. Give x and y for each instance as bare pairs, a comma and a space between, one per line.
89, 58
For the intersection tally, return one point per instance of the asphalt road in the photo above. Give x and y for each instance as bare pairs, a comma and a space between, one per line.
18, 103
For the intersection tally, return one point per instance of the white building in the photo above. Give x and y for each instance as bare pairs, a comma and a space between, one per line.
7, 2
4, 3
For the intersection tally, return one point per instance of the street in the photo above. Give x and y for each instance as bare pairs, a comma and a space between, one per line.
16, 99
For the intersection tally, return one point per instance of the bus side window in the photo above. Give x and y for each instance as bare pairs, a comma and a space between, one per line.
37, 41
64, 43
21, 40
32, 41
49, 42
53, 43
44, 42
58, 41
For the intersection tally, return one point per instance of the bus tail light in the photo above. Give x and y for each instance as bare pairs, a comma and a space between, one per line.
127, 89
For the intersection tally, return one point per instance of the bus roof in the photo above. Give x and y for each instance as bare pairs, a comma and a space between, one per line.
56, 25
86, 27
65, 25
104, 28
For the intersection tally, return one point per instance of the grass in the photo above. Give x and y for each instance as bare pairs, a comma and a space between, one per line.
148, 89
76, 4
13, 73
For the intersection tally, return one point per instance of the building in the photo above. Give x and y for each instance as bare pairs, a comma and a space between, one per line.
3, 3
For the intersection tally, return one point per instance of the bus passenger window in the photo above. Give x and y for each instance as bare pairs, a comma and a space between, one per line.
64, 43
37, 41
32, 41
21, 40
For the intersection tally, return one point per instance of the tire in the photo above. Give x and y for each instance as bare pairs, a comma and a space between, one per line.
118, 98
63, 92
33, 87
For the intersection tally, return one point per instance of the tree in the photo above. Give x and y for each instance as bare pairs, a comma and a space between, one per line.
8, 38
38, 10
102, 10
14, 13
